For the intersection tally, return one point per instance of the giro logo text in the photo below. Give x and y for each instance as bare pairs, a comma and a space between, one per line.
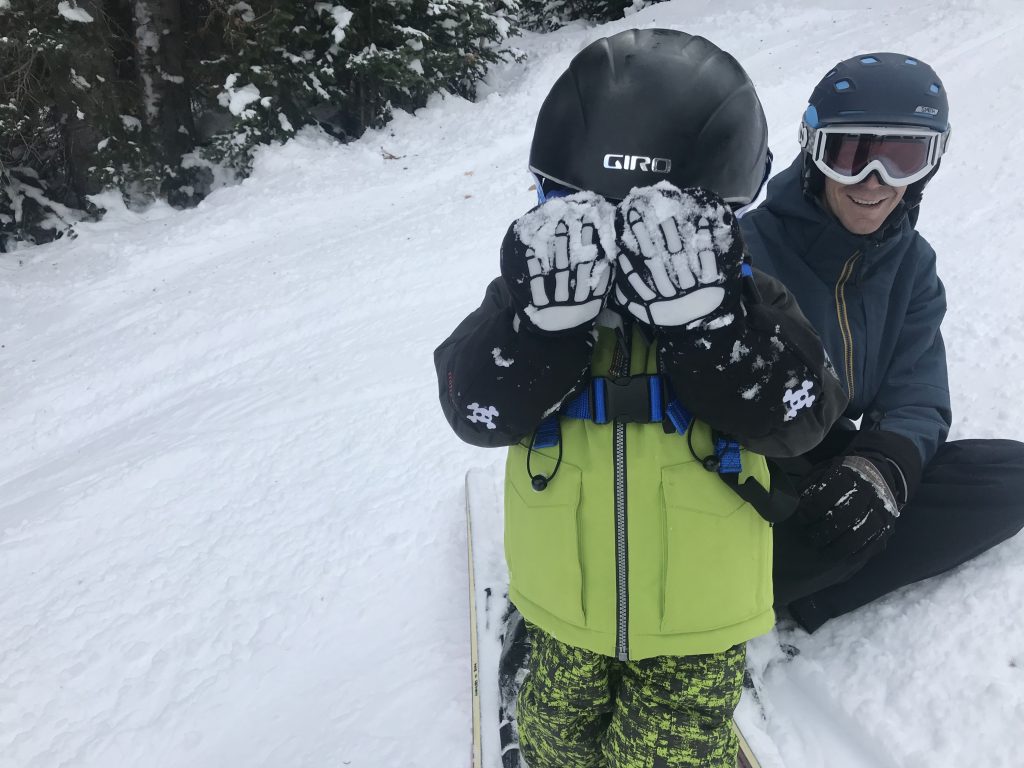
637, 163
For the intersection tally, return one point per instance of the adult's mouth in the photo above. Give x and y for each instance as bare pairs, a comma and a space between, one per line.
866, 202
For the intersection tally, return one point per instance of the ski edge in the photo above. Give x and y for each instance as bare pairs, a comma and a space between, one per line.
745, 757
474, 642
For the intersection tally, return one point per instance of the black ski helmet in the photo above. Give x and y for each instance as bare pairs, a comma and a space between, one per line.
879, 89
647, 105
876, 89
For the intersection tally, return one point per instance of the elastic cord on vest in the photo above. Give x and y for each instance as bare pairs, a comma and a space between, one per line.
711, 463
547, 431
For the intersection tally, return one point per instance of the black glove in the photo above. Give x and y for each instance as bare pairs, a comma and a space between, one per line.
895, 456
679, 256
556, 262
848, 509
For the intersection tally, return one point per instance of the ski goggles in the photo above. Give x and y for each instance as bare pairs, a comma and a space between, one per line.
548, 189
849, 154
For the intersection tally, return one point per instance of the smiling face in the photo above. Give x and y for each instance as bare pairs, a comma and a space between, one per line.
862, 208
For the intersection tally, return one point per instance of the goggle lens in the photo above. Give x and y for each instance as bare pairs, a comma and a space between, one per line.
902, 156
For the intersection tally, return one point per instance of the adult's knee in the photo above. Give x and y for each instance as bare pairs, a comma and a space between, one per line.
974, 487
999, 456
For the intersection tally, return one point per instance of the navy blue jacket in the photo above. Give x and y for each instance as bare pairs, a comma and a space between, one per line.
876, 300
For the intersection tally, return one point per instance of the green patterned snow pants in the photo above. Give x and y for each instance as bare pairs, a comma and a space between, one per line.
579, 709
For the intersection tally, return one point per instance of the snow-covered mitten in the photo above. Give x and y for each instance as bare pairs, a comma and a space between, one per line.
847, 508
679, 255
556, 261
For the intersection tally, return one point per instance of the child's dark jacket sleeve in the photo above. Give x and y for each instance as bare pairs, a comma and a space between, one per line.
498, 381
763, 378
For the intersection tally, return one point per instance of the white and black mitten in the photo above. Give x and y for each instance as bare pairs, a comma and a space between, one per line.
679, 255
556, 261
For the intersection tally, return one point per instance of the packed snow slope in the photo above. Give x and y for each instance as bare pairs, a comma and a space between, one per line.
231, 527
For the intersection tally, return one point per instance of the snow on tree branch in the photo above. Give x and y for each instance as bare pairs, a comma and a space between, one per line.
69, 11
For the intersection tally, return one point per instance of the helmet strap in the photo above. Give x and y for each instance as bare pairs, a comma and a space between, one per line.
813, 180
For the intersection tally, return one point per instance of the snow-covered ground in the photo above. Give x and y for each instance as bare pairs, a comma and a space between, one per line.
231, 528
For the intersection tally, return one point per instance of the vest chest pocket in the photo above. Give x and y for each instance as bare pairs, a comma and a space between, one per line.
718, 559
542, 538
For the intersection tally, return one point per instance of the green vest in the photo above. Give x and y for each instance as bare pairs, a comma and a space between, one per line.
685, 570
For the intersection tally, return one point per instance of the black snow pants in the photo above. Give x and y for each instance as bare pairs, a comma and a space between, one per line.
971, 497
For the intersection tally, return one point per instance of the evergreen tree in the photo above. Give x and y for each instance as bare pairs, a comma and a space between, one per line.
547, 15
61, 114
293, 64
144, 95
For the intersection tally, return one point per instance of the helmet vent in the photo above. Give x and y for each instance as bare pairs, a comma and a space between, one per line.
934, 88
869, 60
843, 85
912, 62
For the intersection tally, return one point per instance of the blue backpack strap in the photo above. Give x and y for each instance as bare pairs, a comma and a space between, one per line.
728, 453
726, 459
547, 433
600, 401
655, 387
679, 416
579, 407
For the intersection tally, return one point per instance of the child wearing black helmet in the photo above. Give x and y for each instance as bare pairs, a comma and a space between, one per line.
639, 371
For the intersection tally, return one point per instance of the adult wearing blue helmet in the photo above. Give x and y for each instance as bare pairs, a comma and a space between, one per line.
888, 502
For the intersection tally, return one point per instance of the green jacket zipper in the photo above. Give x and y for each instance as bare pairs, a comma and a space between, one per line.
620, 367
843, 317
